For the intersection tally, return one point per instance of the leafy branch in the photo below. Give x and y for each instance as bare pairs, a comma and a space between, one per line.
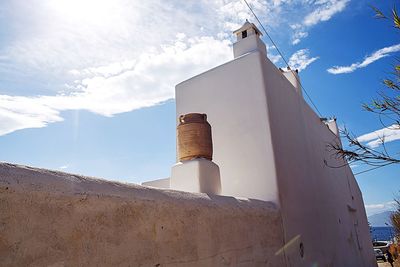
387, 107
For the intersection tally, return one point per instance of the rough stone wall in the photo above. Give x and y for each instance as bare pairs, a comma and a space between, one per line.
51, 218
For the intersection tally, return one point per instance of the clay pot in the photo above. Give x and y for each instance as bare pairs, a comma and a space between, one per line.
194, 137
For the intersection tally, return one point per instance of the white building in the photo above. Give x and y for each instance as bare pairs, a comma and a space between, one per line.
270, 145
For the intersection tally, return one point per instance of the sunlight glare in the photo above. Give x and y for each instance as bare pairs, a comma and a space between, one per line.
92, 11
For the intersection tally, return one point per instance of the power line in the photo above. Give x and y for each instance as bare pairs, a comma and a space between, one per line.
308, 96
371, 169
272, 41
304, 89
283, 58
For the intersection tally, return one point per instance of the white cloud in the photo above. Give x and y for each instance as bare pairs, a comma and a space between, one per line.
297, 36
106, 57
234, 13
324, 10
301, 59
274, 58
72, 34
63, 167
109, 57
374, 139
147, 82
272, 14
19, 112
384, 52
106, 71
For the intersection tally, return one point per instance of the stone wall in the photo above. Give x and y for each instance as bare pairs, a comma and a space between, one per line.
51, 218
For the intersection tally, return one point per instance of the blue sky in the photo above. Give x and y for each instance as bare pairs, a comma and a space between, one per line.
87, 86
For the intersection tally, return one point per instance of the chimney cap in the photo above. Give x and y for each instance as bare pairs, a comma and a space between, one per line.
248, 25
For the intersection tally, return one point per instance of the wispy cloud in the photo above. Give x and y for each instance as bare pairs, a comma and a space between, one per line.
381, 53
375, 138
301, 59
110, 57
300, 16
19, 112
324, 10
149, 81
299, 33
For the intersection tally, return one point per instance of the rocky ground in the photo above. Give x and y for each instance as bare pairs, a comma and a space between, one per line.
383, 264
386, 264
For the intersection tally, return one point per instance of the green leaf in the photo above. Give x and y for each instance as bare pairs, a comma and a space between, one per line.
396, 18
378, 13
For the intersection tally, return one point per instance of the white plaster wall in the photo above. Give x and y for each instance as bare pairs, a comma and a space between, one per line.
251, 43
270, 145
159, 183
294, 79
233, 97
321, 205
196, 175
50, 218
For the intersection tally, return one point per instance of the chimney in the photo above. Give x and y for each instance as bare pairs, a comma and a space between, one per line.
332, 125
293, 78
248, 40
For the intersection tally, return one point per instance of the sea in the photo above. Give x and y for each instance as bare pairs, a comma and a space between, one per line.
384, 233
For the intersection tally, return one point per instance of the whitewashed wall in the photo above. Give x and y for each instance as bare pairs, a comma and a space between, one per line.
233, 97
270, 145
321, 205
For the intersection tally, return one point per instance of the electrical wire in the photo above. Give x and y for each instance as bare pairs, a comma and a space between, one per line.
283, 58
371, 169
304, 89
272, 41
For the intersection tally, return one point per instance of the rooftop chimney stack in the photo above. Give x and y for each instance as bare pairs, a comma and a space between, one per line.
293, 78
248, 40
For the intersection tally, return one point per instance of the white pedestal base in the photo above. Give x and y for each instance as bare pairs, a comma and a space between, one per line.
196, 175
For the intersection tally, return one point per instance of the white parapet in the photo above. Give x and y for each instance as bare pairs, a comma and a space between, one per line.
196, 175
117, 224
159, 183
293, 78
332, 125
